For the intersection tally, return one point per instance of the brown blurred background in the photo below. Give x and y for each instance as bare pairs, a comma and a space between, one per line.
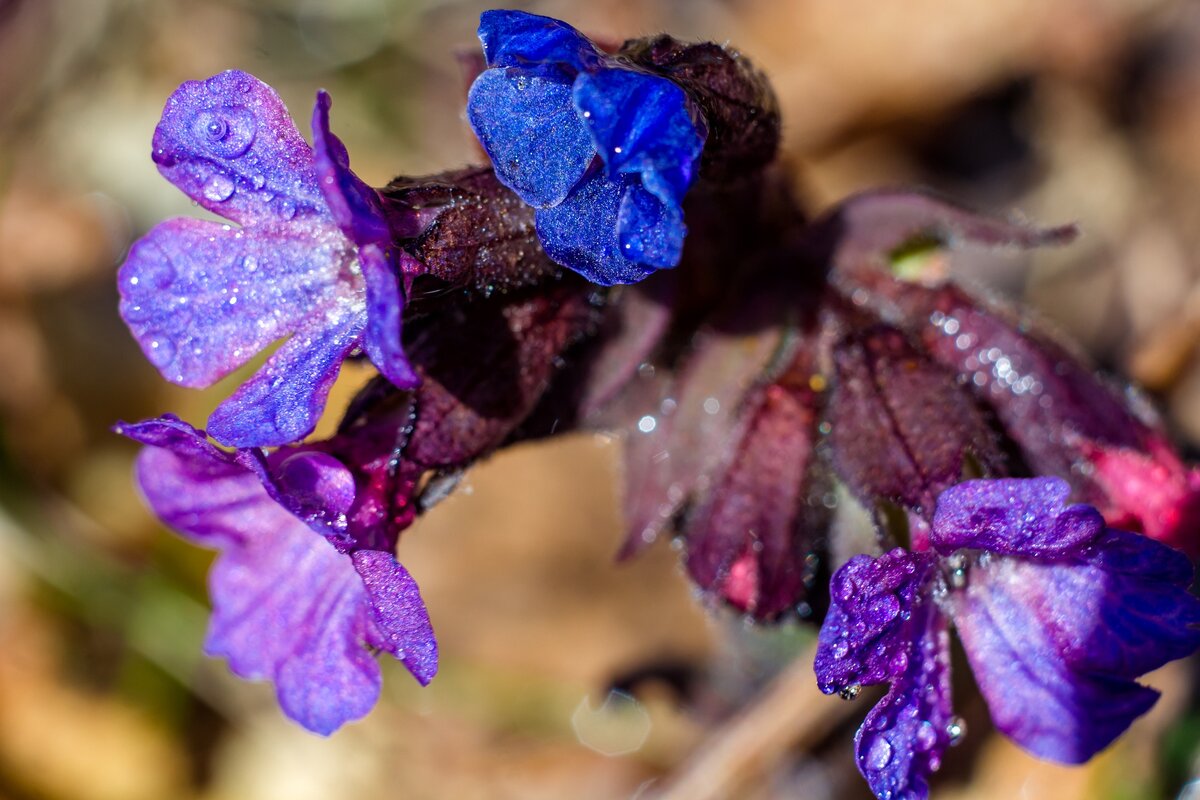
1061, 110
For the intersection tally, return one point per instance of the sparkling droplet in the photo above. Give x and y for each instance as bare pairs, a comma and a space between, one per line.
926, 736
161, 353
219, 188
850, 692
258, 181
840, 649
956, 730
879, 755
217, 129
287, 209
250, 263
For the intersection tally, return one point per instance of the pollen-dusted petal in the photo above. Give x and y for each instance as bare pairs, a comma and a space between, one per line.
520, 39
580, 233
902, 426
901, 741
874, 620
649, 230
229, 144
283, 400
1026, 517
355, 206
203, 298
752, 541
399, 623
535, 140
638, 122
287, 607
1056, 648
385, 310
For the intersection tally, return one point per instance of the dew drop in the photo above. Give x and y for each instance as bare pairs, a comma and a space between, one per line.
217, 129
258, 181
850, 692
250, 263
840, 649
287, 209
161, 353
956, 730
926, 736
218, 188
879, 755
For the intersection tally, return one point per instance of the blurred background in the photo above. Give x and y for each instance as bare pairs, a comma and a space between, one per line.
564, 674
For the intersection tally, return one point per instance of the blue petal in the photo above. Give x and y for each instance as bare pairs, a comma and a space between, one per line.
650, 231
518, 39
639, 122
580, 233
538, 145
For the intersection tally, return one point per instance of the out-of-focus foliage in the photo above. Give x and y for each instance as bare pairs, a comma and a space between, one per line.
1070, 110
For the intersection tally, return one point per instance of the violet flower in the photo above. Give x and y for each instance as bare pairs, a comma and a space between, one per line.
1058, 616
309, 257
288, 605
604, 150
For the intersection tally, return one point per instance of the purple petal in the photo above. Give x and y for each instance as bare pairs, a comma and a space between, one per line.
1013, 517
754, 542
517, 39
385, 309
535, 140
902, 426
203, 298
229, 144
1056, 648
869, 633
287, 606
314, 486
902, 739
355, 206
282, 401
400, 625
638, 122
649, 230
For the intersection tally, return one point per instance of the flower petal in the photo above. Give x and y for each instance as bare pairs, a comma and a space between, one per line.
287, 606
537, 143
580, 233
519, 39
385, 309
400, 624
901, 741
282, 401
1056, 647
650, 231
870, 630
229, 144
203, 298
638, 122
355, 206
1013, 517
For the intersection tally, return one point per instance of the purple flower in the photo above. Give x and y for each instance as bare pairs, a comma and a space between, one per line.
309, 257
603, 149
288, 606
1058, 616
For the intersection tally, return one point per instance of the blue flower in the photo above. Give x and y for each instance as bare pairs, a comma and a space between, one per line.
603, 150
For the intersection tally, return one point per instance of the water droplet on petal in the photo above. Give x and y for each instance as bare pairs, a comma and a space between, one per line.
850, 692
219, 188
879, 755
926, 736
161, 352
258, 181
287, 209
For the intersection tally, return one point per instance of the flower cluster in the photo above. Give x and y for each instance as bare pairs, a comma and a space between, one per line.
779, 362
